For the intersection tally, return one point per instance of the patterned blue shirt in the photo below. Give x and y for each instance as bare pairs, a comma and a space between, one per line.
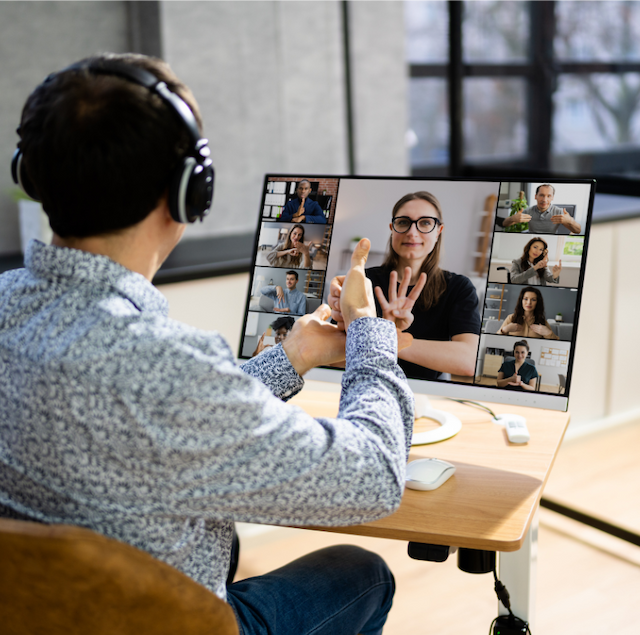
119, 419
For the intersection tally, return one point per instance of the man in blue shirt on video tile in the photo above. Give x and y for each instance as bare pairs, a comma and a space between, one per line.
288, 300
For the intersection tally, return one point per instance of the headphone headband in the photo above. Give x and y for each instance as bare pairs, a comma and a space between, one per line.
191, 183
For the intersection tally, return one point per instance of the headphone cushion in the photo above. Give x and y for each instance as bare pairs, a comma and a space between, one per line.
20, 177
191, 190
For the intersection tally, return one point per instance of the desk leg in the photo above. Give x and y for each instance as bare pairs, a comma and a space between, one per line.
518, 572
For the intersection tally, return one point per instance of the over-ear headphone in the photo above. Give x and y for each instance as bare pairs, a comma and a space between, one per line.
191, 183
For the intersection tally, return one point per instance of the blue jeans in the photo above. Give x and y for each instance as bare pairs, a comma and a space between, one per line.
342, 590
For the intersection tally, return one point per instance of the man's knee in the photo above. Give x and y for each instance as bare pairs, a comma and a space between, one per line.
357, 558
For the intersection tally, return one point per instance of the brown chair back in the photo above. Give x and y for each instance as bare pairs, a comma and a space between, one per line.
64, 580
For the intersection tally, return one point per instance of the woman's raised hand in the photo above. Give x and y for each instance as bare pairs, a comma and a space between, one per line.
542, 264
398, 309
557, 269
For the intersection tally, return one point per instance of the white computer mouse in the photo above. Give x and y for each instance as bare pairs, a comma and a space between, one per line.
427, 474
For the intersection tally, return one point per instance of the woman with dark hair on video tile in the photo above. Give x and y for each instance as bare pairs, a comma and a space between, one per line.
518, 374
531, 268
528, 318
446, 321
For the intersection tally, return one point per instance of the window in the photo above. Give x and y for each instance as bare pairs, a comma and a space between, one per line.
539, 86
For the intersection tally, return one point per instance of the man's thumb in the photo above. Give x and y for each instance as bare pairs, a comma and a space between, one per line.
360, 253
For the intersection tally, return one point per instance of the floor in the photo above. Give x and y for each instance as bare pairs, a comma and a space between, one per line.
588, 582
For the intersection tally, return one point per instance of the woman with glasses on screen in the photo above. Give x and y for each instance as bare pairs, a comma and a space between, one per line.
446, 324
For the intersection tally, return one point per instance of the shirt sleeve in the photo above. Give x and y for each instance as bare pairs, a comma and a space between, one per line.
521, 277
315, 214
224, 446
269, 291
272, 257
464, 315
288, 211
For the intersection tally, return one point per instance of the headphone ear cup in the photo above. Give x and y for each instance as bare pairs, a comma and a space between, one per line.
20, 176
191, 190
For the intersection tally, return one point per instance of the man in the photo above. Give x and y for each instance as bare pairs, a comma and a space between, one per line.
288, 300
547, 218
302, 209
119, 419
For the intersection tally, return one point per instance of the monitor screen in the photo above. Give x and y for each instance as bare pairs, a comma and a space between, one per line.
505, 262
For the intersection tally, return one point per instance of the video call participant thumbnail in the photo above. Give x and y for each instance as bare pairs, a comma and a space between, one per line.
302, 209
547, 218
518, 374
281, 329
292, 252
528, 318
531, 268
288, 300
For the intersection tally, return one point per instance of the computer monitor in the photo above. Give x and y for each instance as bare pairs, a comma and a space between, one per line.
502, 283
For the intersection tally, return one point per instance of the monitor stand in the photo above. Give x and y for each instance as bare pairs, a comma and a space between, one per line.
450, 425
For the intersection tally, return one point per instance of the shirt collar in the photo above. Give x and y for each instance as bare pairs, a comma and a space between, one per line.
77, 266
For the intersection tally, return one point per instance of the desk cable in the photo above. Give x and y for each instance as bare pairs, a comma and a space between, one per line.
475, 404
506, 624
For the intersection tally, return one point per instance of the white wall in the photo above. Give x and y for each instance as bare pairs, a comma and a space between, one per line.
37, 38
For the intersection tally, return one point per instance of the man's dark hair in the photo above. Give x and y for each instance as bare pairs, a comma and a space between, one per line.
292, 273
99, 149
284, 321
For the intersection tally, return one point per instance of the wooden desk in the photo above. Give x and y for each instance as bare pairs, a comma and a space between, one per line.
491, 501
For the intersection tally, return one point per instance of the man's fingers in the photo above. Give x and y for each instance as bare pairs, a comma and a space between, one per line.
360, 253
323, 312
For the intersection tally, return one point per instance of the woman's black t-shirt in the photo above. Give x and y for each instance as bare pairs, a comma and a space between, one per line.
455, 313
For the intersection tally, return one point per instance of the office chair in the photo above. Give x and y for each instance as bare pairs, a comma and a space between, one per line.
563, 384
64, 580
508, 273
